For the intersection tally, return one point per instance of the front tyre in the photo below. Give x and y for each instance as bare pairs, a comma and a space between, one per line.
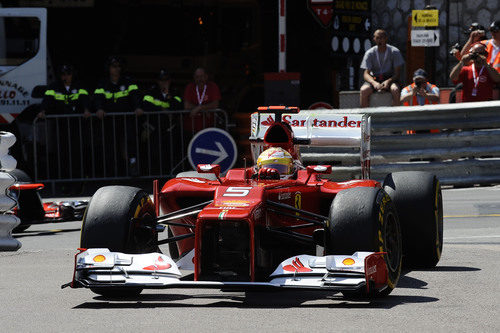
120, 218
365, 219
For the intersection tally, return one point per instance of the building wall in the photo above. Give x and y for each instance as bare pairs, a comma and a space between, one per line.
392, 15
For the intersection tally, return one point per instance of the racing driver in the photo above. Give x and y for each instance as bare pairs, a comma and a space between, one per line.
276, 163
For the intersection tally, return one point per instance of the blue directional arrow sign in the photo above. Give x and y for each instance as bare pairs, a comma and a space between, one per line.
212, 146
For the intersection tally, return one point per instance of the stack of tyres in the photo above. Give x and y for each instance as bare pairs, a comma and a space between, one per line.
7, 202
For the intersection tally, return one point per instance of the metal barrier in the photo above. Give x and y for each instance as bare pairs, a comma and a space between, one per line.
120, 146
465, 150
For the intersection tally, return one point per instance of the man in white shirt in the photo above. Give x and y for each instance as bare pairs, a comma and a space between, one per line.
382, 66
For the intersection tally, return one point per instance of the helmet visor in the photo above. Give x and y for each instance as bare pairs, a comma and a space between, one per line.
283, 169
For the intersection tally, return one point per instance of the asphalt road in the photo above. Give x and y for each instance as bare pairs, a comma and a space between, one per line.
461, 294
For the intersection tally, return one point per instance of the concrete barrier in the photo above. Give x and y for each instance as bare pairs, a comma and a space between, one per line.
7, 221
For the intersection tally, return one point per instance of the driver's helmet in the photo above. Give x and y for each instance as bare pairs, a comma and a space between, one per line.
276, 158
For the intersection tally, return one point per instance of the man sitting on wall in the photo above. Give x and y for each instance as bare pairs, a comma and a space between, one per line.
382, 66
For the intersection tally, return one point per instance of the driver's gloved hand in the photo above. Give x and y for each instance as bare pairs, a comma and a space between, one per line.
269, 173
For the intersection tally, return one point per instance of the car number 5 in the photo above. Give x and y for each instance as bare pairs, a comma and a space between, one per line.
237, 192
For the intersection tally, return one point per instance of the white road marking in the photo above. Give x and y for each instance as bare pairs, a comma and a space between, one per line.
466, 237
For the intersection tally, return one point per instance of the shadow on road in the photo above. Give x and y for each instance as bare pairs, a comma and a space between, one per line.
43, 232
280, 299
449, 269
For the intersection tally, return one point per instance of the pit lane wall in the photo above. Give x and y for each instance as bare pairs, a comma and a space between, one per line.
7, 221
462, 149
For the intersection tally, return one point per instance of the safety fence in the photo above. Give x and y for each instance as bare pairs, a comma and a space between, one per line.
7, 201
459, 142
119, 146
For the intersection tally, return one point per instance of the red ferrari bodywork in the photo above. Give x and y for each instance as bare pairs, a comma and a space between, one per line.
239, 199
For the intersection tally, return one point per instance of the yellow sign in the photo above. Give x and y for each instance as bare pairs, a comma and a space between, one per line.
425, 18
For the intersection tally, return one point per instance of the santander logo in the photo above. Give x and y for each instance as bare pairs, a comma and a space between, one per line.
342, 122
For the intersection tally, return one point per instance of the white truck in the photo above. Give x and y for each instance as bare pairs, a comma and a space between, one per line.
23, 60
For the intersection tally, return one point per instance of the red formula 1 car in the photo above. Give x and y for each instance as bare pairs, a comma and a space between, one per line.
32, 210
254, 229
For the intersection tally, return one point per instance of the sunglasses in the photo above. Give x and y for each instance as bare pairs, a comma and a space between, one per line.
496, 29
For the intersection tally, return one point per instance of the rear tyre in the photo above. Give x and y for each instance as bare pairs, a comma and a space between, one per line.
418, 200
120, 218
28, 201
365, 219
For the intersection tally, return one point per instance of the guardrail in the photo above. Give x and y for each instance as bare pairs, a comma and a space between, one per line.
465, 151
7, 202
122, 145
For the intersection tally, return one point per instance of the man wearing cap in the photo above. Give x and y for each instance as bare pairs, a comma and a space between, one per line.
382, 66
65, 96
160, 129
479, 78
118, 93
420, 92
161, 97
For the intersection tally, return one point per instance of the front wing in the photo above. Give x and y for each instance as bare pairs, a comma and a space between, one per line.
100, 268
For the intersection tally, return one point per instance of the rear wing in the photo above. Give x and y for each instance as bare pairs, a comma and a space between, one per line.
319, 128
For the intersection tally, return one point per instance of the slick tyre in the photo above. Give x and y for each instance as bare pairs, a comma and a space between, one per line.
29, 202
365, 219
120, 218
418, 200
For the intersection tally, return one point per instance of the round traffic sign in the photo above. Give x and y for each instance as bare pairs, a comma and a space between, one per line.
212, 146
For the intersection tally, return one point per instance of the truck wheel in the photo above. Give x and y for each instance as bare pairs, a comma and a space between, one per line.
120, 218
365, 219
418, 200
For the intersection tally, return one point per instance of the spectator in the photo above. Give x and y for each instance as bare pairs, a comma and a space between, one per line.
118, 93
479, 78
493, 46
382, 67
201, 94
66, 96
476, 34
420, 92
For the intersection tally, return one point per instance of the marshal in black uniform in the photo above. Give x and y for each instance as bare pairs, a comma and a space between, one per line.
65, 135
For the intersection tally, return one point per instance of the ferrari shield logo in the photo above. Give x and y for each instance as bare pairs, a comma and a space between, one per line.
298, 200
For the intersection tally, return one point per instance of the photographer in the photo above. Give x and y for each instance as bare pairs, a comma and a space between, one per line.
420, 92
479, 78
476, 33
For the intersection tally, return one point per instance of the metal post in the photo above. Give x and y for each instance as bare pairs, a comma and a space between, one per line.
282, 35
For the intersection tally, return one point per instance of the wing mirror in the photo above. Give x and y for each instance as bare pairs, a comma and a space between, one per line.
209, 168
318, 169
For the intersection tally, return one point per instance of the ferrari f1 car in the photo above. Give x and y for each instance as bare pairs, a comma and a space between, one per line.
254, 229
